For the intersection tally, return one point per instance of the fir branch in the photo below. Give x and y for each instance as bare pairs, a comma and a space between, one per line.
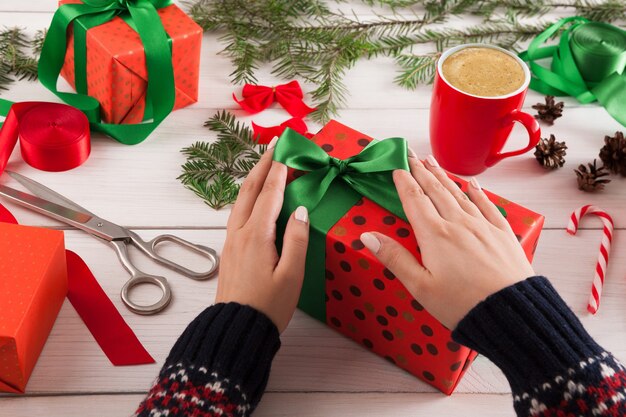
308, 40
16, 62
212, 169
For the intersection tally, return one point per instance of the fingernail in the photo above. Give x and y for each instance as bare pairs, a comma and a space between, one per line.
272, 143
302, 214
411, 153
371, 242
432, 161
475, 183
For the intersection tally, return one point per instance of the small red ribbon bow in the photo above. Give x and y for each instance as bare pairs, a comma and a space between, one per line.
258, 97
264, 135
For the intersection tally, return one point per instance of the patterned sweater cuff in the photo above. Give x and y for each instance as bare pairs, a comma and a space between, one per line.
230, 341
528, 331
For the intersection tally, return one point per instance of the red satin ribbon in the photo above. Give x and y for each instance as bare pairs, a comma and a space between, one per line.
115, 337
289, 96
53, 137
264, 135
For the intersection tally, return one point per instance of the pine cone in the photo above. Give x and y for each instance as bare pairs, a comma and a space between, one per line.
590, 177
550, 111
550, 153
613, 153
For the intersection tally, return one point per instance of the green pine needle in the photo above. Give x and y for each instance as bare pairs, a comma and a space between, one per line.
307, 39
213, 169
18, 55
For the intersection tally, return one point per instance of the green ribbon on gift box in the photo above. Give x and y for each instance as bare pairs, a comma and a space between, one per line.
143, 17
588, 63
328, 190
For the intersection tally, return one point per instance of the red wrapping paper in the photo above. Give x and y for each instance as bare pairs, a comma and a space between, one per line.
365, 302
116, 64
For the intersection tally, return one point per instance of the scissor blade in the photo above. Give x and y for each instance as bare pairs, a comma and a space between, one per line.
91, 224
46, 193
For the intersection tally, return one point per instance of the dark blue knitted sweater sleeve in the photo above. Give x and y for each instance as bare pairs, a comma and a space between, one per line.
219, 366
552, 364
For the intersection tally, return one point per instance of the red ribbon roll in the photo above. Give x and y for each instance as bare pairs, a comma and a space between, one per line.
53, 137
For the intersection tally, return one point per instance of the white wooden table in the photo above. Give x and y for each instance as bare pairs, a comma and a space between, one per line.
317, 372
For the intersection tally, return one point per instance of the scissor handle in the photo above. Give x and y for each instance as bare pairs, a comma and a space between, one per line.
149, 248
138, 278
146, 279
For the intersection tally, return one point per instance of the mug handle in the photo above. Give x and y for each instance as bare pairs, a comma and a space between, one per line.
534, 134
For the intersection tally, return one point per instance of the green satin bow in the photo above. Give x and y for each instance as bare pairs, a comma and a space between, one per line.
143, 17
329, 189
588, 63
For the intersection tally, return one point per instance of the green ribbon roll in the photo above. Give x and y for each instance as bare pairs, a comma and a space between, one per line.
143, 17
587, 63
328, 190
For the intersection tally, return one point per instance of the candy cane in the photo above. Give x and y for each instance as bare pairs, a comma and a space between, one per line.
605, 247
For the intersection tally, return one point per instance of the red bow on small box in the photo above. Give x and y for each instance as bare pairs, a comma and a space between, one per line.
258, 97
264, 135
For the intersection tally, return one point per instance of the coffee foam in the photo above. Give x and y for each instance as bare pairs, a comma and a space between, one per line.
484, 72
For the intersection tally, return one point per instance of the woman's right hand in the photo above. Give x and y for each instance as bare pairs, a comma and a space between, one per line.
468, 248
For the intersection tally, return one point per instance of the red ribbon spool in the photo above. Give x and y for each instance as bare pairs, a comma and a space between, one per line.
53, 137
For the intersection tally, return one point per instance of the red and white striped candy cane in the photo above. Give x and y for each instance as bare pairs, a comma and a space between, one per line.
605, 247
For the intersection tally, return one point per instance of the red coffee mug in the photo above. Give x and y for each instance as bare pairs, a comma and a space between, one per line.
467, 132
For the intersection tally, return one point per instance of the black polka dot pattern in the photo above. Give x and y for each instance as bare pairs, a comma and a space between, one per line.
417, 349
432, 349
335, 321
389, 220
327, 147
382, 320
388, 274
455, 366
330, 275
363, 142
391, 311
453, 346
428, 376
403, 232
355, 291
337, 295
339, 247
359, 314
387, 335
357, 244
427, 330
390, 359
368, 343
359, 220
345, 266
379, 284
417, 306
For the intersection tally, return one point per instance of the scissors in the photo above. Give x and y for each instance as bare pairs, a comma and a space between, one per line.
52, 204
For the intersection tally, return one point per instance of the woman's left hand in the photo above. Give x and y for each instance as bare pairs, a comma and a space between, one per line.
251, 272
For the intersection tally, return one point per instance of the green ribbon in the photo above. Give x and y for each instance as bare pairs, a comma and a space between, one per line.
328, 190
587, 63
160, 92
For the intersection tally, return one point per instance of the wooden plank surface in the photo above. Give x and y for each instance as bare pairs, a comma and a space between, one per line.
283, 405
317, 372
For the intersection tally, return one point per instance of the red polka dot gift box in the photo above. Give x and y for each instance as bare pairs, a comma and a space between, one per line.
116, 64
33, 284
345, 286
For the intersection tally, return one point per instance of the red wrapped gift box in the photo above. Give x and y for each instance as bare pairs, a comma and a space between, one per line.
33, 284
365, 302
116, 69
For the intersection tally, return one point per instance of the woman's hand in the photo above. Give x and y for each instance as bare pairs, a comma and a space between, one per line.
467, 247
251, 272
